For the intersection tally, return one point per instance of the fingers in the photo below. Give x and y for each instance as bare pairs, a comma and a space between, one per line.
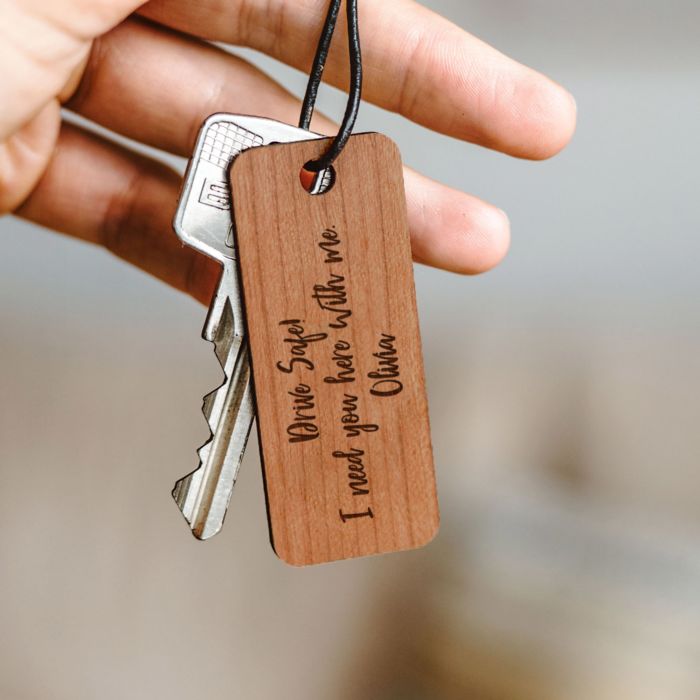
82, 19
24, 155
165, 104
416, 63
452, 230
105, 194
157, 87
42, 47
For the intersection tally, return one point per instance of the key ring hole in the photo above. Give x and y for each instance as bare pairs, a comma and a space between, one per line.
317, 183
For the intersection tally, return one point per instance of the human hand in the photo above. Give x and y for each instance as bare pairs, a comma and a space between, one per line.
148, 77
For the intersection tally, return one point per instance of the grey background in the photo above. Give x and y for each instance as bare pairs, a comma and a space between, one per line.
564, 401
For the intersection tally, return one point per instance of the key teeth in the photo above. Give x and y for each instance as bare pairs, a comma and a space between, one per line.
224, 334
180, 493
185, 489
208, 401
222, 342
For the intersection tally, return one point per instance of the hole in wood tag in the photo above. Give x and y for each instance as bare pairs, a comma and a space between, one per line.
317, 183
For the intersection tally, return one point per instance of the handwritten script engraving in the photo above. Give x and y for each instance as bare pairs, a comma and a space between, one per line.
303, 428
387, 373
333, 297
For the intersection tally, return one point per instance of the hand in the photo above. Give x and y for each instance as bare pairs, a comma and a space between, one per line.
148, 77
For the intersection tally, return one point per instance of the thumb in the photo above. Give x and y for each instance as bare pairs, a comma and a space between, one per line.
49, 46
84, 19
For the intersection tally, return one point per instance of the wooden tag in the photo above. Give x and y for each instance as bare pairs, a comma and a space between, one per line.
336, 355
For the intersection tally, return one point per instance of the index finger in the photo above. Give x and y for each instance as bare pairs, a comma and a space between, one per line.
416, 63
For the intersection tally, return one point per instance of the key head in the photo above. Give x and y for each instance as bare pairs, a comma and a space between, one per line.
203, 217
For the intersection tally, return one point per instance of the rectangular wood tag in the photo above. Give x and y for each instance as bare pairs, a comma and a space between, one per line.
335, 352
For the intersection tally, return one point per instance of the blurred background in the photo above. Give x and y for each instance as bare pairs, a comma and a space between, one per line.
565, 417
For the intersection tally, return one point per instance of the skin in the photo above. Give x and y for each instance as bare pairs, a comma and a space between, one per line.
146, 71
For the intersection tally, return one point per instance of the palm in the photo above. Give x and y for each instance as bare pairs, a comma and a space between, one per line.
148, 78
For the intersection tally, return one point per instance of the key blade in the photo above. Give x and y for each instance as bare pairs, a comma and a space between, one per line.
204, 495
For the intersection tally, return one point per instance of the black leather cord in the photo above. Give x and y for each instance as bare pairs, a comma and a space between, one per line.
355, 91
316, 74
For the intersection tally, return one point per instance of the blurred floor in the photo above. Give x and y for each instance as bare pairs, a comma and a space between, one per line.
564, 400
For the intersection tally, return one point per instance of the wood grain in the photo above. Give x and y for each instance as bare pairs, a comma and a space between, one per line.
336, 353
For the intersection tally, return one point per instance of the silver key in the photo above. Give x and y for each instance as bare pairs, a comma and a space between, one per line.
203, 221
